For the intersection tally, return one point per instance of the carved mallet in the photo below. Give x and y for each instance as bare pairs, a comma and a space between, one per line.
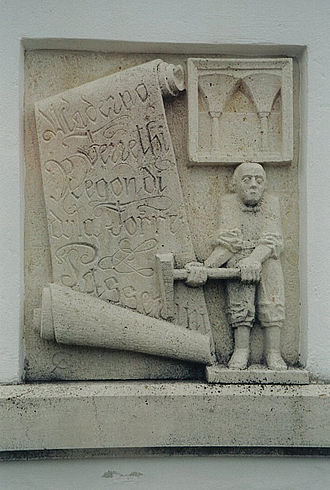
167, 274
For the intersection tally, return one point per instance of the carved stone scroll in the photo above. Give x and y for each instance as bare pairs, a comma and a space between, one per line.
73, 318
113, 194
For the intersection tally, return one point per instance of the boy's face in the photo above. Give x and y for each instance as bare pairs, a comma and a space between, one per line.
251, 185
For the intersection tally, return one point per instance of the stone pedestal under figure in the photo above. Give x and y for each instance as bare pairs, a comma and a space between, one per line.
250, 238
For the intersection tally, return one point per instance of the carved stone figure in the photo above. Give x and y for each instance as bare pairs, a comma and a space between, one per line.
250, 239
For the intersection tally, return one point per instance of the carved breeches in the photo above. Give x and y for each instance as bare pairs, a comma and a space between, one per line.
264, 300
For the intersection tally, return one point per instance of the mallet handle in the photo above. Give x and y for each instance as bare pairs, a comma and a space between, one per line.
212, 273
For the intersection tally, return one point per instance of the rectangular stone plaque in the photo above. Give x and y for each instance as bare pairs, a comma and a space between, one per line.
114, 212
239, 110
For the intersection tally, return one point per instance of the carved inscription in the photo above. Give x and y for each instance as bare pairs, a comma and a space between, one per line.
113, 194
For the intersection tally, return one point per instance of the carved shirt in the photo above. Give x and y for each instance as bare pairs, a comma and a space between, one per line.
243, 228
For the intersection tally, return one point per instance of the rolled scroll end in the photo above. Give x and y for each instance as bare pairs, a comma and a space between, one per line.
46, 324
171, 79
36, 321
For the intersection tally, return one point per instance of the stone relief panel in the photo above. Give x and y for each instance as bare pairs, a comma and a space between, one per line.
137, 264
240, 110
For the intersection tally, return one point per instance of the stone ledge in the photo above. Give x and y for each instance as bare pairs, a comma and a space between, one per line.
255, 374
156, 414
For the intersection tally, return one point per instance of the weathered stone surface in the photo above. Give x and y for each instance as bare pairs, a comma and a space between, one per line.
240, 110
255, 374
112, 191
73, 318
203, 190
155, 414
250, 241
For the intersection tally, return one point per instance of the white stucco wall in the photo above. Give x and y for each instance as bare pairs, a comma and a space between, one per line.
212, 22
175, 473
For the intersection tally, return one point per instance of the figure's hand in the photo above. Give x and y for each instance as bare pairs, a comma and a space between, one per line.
212, 261
197, 276
250, 270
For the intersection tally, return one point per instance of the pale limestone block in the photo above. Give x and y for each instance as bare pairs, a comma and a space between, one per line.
204, 190
255, 374
74, 318
154, 414
240, 110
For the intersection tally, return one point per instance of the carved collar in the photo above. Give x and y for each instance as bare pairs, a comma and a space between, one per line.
252, 209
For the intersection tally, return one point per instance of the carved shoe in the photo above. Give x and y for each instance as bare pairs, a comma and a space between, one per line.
275, 361
239, 359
